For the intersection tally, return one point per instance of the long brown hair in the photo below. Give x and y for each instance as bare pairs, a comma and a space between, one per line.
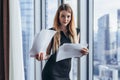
71, 27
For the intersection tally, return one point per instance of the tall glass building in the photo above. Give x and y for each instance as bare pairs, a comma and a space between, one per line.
118, 36
27, 19
106, 48
103, 28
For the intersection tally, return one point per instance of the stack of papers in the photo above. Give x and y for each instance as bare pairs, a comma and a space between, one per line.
41, 42
69, 50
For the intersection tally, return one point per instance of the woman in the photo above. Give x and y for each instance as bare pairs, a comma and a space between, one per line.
66, 33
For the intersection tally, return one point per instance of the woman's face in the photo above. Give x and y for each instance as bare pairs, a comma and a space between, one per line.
64, 18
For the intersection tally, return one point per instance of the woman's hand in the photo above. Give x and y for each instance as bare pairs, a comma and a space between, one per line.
84, 51
41, 56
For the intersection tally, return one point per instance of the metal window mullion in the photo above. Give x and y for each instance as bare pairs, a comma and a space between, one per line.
43, 25
87, 39
61, 2
37, 28
90, 59
78, 25
43, 14
83, 38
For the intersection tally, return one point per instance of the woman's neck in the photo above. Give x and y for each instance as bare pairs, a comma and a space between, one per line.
64, 29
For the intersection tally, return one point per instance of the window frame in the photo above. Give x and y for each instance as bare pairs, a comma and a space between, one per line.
38, 22
84, 26
90, 38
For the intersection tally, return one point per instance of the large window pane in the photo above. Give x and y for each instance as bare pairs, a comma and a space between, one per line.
106, 40
51, 9
27, 19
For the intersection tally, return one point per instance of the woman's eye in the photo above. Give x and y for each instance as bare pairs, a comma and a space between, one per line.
63, 16
68, 16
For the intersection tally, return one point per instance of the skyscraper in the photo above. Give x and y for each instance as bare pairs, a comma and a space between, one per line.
103, 34
118, 36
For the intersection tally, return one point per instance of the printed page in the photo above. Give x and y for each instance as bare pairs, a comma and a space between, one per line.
41, 41
69, 50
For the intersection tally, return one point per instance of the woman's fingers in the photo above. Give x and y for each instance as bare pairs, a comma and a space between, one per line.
40, 56
36, 56
84, 51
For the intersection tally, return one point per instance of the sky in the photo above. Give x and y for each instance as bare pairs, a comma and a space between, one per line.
102, 7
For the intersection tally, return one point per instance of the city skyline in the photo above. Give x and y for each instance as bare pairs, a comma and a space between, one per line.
106, 47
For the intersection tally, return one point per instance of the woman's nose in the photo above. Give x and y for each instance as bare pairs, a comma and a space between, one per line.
65, 19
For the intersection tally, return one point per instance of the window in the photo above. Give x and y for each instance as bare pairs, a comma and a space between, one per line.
27, 19
106, 40
50, 12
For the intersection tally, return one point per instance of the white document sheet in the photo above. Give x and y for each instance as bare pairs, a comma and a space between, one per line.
41, 41
69, 50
